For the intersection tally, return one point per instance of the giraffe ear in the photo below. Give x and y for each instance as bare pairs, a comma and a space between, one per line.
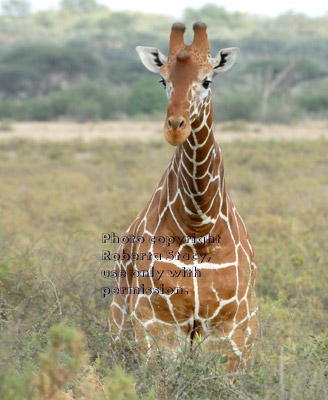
224, 59
151, 58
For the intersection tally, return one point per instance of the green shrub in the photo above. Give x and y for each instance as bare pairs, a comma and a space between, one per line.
8, 109
314, 101
146, 96
84, 109
236, 104
37, 69
279, 111
88, 101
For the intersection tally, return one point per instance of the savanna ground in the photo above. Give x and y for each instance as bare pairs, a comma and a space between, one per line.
58, 196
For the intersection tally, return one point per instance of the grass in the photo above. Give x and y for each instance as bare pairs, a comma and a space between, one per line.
6, 126
56, 200
238, 125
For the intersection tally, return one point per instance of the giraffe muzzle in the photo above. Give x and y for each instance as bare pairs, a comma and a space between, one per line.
176, 130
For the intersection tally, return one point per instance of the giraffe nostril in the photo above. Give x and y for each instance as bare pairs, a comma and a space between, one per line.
176, 122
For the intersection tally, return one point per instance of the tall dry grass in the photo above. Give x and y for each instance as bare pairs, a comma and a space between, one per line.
56, 200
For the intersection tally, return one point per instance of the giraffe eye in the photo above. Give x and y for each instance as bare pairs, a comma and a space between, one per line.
206, 84
164, 83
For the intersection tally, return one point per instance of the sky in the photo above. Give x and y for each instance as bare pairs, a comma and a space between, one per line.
175, 8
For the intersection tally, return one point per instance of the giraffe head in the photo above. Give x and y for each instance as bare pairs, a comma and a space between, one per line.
186, 74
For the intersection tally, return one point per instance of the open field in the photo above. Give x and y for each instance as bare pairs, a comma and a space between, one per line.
146, 131
58, 196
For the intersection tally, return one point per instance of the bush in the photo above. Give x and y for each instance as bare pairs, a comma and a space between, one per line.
314, 101
146, 97
17, 78
84, 109
280, 111
236, 104
88, 101
39, 109
40, 69
64, 374
8, 109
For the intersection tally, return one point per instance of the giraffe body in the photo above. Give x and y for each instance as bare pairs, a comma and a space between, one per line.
198, 281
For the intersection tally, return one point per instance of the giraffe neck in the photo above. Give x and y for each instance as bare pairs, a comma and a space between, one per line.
199, 171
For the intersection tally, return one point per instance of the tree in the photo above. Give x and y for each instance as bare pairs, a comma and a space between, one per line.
38, 69
145, 97
15, 8
222, 23
79, 6
284, 74
272, 77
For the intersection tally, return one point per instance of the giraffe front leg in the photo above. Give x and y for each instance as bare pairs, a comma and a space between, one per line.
158, 327
242, 341
152, 337
233, 341
117, 317
122, 339
158, 341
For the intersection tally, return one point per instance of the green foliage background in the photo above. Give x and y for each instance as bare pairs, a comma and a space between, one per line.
49, 58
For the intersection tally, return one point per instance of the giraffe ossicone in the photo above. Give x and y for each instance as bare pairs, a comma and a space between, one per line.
191, 200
